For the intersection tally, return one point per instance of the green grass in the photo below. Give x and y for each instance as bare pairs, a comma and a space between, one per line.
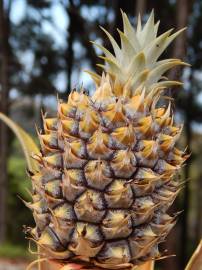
11, 251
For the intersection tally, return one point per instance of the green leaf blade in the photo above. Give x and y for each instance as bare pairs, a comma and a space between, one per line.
28, 145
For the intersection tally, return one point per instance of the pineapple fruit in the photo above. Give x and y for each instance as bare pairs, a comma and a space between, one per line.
107, 163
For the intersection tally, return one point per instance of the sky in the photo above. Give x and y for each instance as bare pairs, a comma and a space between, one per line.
58, 32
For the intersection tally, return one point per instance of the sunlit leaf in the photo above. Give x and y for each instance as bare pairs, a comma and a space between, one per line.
28, 145
195, 262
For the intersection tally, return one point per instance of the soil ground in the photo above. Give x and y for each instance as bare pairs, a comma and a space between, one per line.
6, 264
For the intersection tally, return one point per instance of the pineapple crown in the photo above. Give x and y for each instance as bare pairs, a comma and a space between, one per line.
135, 64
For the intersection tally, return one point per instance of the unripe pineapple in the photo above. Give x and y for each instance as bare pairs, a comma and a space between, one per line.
107, 161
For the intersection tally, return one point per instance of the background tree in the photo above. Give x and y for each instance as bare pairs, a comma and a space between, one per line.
4, 79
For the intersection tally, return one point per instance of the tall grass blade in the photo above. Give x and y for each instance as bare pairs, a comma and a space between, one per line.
28, 145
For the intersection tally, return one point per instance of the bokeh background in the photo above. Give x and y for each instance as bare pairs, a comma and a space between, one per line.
44, 50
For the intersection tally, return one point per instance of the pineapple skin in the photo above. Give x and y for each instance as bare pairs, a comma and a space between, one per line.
107, 167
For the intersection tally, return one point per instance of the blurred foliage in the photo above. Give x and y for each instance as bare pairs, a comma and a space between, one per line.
19, 186
8, 250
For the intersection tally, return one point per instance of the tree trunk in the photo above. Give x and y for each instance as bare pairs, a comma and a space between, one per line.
140, 7
4, 80
198, 226
70, 52
77, 24
180, 45
186, 198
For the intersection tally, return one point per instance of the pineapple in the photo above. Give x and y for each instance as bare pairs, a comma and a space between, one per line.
108, 161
